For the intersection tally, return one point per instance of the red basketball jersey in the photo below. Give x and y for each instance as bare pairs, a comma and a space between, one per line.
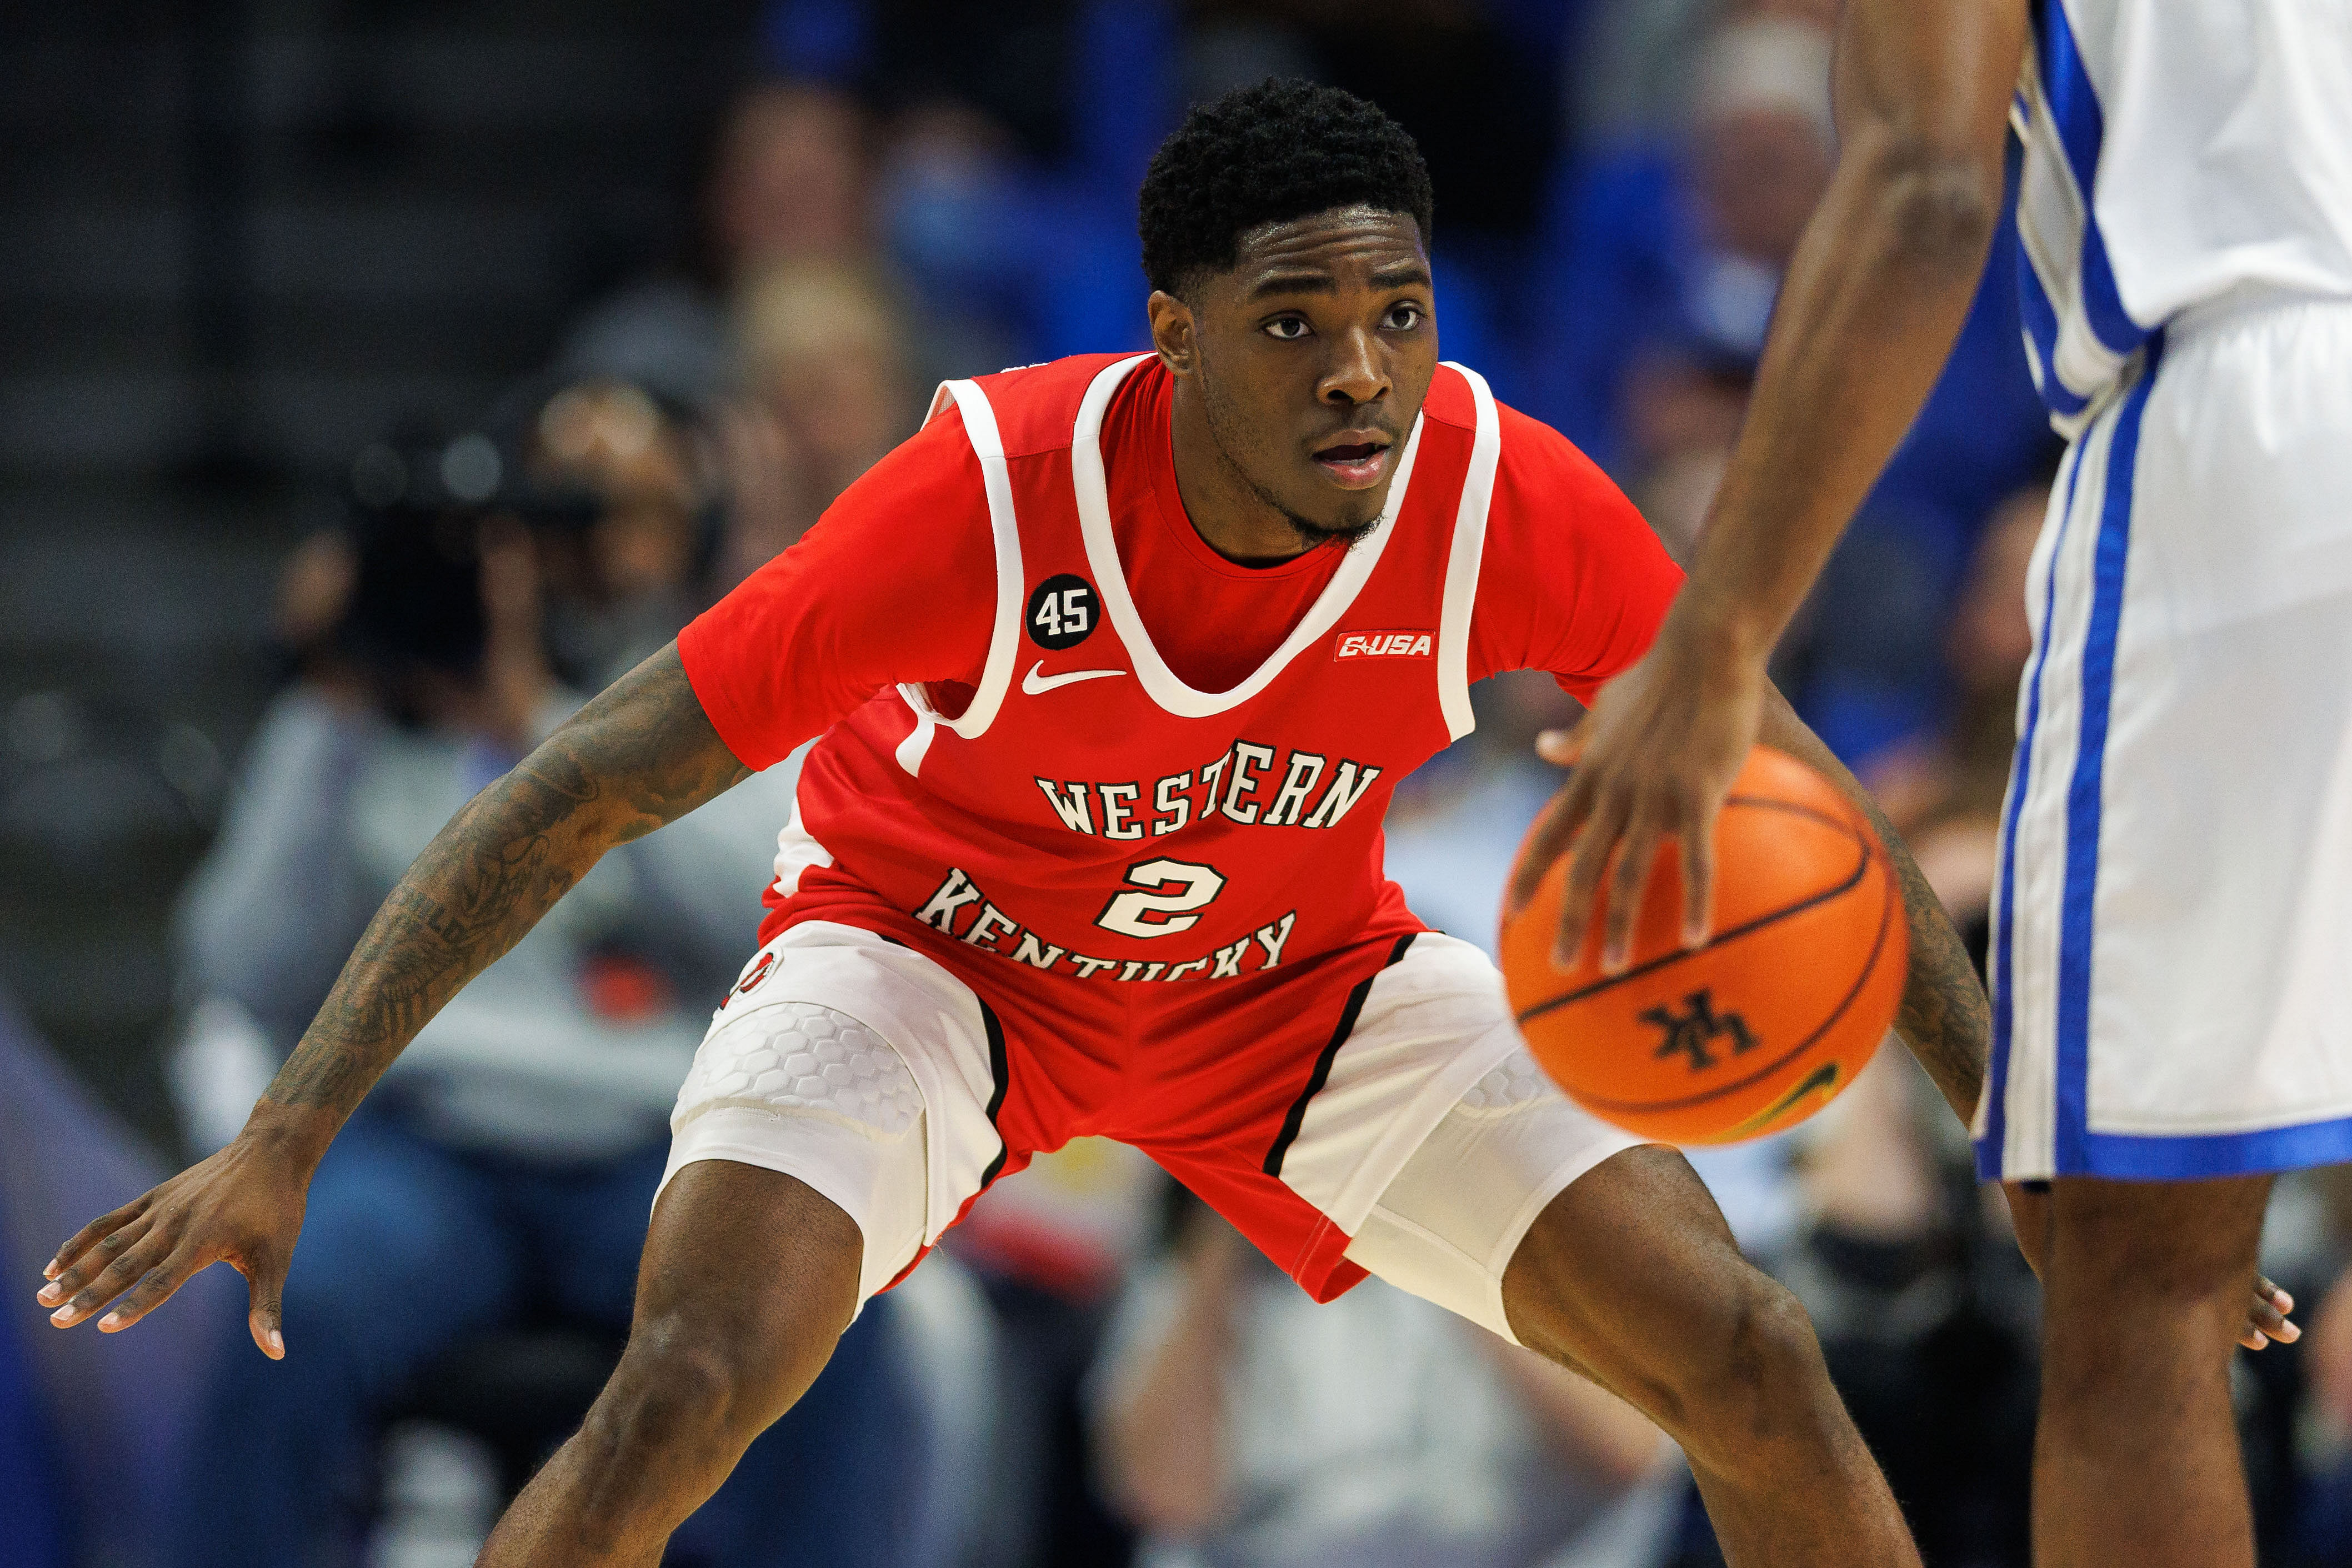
1066, 802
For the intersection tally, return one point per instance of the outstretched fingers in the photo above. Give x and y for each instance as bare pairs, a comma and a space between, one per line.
1549, 839
1696, 841
1606, 824
89, 1266
90, 1285
1626, 883
155, 1286
90, 1236
2266, 1319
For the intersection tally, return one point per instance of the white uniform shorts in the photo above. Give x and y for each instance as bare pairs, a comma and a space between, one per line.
869, 1070
2173, 931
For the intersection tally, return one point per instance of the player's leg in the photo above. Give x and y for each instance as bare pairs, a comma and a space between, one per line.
2136, 1459
1454, 1169
750, 1276
834, 1112
1630, 1276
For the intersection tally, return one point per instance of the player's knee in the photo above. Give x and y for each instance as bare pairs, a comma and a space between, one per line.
2157, 1248
689, 1396
1753, 1380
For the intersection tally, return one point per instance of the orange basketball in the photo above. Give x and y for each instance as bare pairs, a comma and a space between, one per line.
1764, 1025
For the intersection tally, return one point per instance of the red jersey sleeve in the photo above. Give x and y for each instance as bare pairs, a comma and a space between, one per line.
1572, 580
896, 582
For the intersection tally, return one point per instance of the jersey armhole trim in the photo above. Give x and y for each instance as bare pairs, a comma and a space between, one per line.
1462, 565
1004, 643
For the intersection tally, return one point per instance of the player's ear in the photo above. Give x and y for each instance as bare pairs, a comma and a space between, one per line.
1171, 330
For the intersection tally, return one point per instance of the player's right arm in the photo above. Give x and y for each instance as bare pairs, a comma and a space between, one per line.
642, 754
896, 584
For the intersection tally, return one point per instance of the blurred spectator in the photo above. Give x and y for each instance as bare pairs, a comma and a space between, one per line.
620, 488
790, 178
1242, 1425
824, 352
1668, 253
501, 1175
1943, 792
1637, 57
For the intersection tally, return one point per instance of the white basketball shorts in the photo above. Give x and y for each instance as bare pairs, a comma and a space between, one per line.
2172, 936
1429, 1139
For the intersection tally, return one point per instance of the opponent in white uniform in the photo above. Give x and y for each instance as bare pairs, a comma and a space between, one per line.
2175, 912
2175, 916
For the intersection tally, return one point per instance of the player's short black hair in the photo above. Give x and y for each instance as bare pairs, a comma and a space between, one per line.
1267, 154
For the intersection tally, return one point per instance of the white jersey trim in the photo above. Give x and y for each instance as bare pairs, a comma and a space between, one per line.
1110, 577
1462, 564
1004, 644
2054, 213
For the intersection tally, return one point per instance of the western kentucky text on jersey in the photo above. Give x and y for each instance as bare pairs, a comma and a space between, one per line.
991, 929
1245, 786
1199, 702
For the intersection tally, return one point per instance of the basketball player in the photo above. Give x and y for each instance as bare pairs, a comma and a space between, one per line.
2174, 922
1116, 662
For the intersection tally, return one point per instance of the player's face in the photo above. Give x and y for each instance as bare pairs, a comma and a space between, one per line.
1311, 358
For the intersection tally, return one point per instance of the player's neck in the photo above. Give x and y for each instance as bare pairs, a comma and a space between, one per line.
1231, 517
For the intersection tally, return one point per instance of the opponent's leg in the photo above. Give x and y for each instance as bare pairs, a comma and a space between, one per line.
749, 1278
2136, 1460
1630, 1276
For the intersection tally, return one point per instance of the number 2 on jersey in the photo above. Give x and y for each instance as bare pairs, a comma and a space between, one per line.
1163, 892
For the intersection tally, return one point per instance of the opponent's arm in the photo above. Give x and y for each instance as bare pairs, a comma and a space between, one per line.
642, 754
1944, 1018
1872, 302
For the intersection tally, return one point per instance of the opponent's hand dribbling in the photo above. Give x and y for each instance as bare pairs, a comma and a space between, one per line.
1653, 758
242, 1207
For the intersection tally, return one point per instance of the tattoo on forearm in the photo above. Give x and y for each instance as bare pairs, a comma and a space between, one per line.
641, 755
1945, 1017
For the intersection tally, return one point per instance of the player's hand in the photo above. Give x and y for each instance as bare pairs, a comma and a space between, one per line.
242, 1207
2266, 1313
1653, 760
2266, 1319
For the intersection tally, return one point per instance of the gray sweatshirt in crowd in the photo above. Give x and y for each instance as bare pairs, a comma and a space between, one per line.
332, 806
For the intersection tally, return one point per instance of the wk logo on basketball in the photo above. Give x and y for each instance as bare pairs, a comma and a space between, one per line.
1692, 1032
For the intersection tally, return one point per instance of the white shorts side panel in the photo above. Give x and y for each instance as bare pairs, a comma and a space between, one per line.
900, 1165
1432, 1024
1435, 1139
2174, 922
1449, 1224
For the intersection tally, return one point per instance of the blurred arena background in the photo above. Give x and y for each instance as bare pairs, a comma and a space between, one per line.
378, 379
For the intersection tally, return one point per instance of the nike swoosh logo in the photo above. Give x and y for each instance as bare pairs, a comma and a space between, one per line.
1033, 683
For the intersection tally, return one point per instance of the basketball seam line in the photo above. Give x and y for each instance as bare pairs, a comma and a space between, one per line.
1877, 950
1861, 869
